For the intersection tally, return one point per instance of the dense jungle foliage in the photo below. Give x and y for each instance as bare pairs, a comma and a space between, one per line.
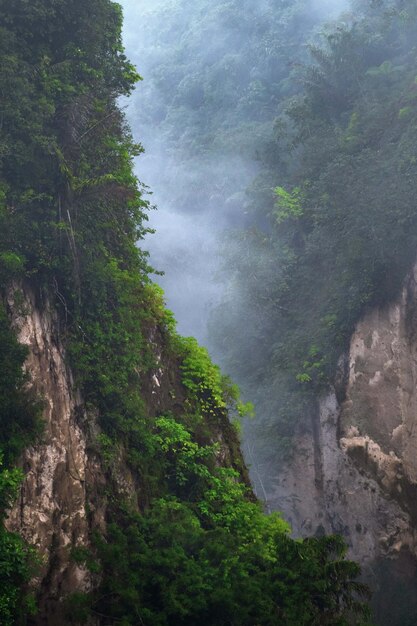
199, 549
216, 75
334, 226
219, 85
322, 117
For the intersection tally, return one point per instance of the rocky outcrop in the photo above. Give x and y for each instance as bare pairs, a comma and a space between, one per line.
354, 471
61, 499
328, 488
378, 420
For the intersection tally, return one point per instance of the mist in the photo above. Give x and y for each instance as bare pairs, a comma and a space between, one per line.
214, 79
199, 189
329, 8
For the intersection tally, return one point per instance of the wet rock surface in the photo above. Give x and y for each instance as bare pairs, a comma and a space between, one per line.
354, 471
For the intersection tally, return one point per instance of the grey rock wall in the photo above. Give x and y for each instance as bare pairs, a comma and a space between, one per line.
354, 471
56, 511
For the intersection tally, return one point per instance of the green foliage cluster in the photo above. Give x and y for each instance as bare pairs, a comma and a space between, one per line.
206, 384
19, 408
17, 560
204, 552
288, 204
196, 547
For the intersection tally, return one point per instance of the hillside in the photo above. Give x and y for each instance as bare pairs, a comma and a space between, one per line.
124, 496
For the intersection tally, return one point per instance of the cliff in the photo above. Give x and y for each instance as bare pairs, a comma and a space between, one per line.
354, 470
61, 499
83, 499
65, 496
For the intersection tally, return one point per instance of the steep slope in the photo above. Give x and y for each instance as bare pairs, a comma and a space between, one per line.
63, 474
134, 498
339, 230
64, 498
325, 275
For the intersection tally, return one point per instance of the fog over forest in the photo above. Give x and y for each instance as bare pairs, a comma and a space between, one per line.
216, 77
199, 192
260, 465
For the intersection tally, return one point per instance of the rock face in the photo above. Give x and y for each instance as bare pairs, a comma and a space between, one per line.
355, 469
60, 501
63, 498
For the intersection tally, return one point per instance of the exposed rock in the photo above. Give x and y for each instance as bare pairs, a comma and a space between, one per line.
355, 470
348, 497
60, 501
381, 398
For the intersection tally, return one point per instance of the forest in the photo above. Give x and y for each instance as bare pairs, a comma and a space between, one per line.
280, 135
278, 140
337, 234
293, 129
190, 543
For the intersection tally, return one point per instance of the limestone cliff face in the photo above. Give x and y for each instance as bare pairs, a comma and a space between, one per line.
325, 489
355, 469
63, 498
60, 501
